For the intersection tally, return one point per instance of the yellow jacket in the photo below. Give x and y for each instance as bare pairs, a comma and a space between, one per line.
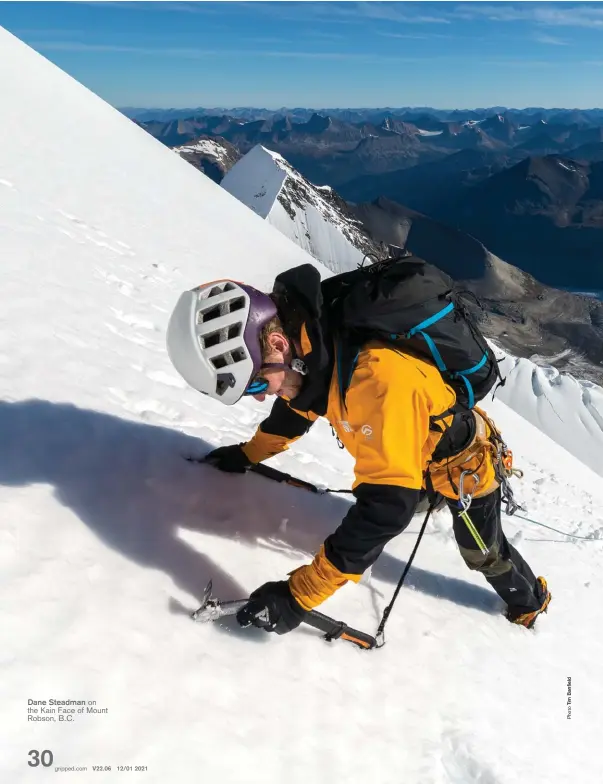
386, 424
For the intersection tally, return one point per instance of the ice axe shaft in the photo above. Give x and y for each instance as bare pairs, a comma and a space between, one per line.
212, 609
278, 476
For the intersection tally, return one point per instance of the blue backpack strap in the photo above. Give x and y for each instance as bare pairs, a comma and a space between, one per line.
428, 322
475, 368
462, 373
470, 393
431, 320
435, 351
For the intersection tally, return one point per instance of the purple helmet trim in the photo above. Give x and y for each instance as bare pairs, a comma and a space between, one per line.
261, 310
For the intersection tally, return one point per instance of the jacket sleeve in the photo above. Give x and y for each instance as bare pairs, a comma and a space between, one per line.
283, 426
390, 419
380, 513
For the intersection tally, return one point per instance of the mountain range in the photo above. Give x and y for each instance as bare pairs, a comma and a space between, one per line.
518, 312
526, 184
302, 114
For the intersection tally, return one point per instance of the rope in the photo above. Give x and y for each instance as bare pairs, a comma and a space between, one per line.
280, 476
556, 530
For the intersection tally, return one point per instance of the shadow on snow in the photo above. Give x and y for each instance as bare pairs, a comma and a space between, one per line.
128, 482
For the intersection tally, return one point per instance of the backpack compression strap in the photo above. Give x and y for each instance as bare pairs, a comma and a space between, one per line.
441, 365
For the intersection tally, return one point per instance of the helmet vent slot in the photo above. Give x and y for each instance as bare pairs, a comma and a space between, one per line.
229, 358
220, 336
219, 362
223, 309
207, 341
209, 315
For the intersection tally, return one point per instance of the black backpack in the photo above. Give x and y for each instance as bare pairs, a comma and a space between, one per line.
413, 306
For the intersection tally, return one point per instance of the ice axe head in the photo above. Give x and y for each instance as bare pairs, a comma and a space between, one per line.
211, 608
208, 610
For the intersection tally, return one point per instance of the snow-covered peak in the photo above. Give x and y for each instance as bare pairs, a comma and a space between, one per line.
206, 146
314, 217
213, 156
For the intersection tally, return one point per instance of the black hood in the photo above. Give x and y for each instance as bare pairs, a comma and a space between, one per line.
298, 296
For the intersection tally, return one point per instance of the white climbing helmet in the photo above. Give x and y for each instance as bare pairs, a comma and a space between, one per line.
213, 338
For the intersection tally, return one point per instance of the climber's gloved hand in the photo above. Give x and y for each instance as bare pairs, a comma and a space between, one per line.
229, 458
273, 608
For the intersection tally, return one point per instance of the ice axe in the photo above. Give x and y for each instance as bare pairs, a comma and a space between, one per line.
213, 609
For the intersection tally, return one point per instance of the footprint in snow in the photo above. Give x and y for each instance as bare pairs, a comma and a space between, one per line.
460, 764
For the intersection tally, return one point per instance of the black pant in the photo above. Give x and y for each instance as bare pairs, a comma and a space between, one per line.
503, 567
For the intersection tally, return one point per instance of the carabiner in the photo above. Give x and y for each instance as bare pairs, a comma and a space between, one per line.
465, 499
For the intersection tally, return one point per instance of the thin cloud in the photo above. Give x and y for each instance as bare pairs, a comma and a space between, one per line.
540, 13
414, 36
190, 53
544, 38
341, 12
181, 8
525, 63
581, 15
45, 31
327, 36
391, 12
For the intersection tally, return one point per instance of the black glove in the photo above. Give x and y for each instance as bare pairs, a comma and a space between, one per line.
273, 608
229, 458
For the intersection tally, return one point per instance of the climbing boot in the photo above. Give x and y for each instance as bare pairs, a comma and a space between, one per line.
529, 619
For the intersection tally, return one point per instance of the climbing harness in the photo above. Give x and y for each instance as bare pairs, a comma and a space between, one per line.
503, 467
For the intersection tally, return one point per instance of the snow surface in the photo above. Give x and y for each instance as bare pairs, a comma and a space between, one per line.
429, 133
272, 188
108, 536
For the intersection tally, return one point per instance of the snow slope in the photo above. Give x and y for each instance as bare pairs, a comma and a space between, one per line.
108, 536
568, 410
313, 217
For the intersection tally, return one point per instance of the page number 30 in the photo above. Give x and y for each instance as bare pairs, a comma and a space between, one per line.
44, 757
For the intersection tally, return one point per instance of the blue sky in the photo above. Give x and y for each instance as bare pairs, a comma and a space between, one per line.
323, 54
